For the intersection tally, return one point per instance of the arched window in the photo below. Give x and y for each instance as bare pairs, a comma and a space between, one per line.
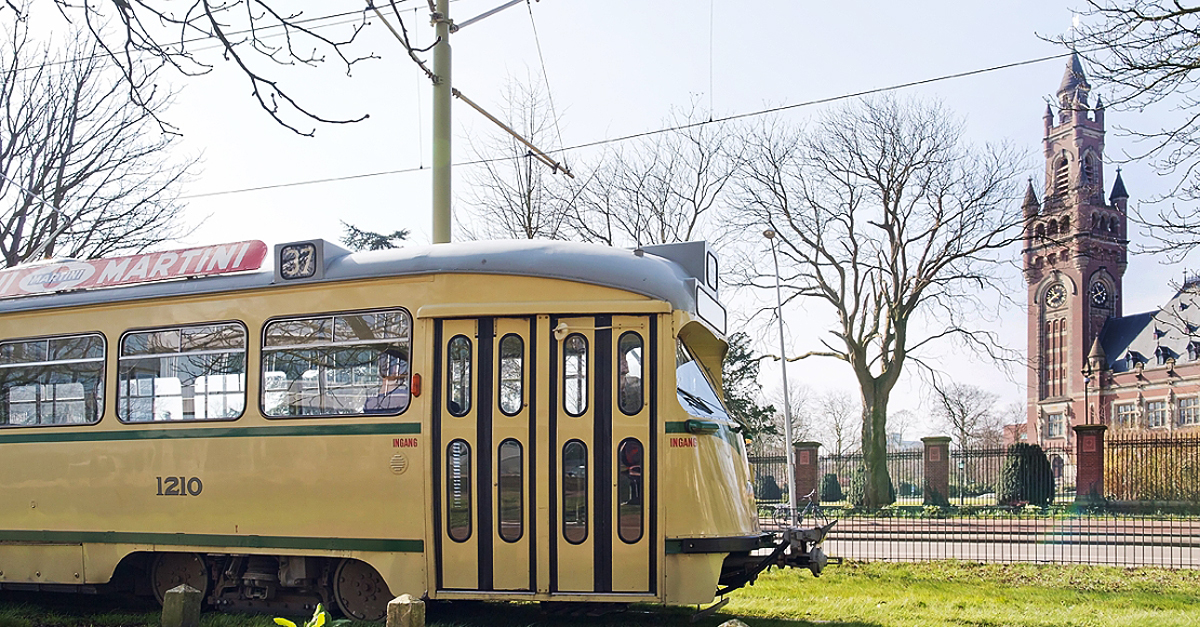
1089, 168
1062, 176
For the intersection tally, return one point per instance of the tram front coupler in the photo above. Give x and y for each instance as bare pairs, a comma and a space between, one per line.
801, 548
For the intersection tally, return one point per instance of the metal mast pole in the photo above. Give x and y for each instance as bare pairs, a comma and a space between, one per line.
787, 403
442, 91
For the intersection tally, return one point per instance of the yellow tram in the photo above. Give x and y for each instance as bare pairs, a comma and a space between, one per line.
497, 420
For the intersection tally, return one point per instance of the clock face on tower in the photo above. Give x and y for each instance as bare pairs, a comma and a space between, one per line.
1056, 295
1099, 294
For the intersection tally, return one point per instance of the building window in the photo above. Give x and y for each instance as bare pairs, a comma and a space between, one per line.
1156, 413
1057, 426
1054, 345
1062, 174
1125, 414
1189, 411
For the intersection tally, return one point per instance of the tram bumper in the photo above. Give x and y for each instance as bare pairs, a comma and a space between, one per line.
793, 547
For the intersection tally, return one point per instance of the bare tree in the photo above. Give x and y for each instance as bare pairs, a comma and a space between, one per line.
801, 400
514, 195
263, 38
663, 189
1147, 52
838, 422
84, 172
968, 411
883, 213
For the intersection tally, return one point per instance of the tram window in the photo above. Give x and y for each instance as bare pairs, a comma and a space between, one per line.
629, 490
512, 374
458, 375
695, 390
337, 364
575, 491
458, 490
575, 372
182, 373
629, 373
510, 491
52, 381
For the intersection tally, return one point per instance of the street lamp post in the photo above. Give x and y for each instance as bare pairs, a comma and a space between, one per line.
787, 404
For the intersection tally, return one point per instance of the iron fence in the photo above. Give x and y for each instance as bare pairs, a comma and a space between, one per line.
984, 521
1012, 535
1154, 469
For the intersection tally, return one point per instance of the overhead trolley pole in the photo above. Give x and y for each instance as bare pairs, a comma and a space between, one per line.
442, 91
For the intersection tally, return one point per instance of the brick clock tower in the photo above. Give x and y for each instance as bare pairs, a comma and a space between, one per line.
1074, 257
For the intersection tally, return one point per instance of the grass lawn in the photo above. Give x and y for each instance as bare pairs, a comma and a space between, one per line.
850, 595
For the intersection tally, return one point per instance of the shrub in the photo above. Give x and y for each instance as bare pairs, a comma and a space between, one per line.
768, 489
831, 490
1026, 476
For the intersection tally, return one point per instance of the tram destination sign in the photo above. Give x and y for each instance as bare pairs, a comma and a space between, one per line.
58, 276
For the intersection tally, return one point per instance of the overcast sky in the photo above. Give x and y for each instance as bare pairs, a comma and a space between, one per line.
616, 68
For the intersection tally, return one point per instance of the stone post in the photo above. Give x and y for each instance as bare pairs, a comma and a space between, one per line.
808, 473
937, 470
406, 611
181, 607
1089, 464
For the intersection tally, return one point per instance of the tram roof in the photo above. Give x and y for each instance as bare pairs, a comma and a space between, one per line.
646, 273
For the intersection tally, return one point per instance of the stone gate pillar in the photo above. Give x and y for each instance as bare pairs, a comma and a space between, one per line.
1089, 464
937, 470
808, 473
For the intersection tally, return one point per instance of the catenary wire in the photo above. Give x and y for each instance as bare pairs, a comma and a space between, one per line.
545, 76
623, 138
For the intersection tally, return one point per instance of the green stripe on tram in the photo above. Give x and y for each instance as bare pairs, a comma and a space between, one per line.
290, 430
214, 541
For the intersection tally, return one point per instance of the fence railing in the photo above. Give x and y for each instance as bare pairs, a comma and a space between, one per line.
1152, 469
1150, 513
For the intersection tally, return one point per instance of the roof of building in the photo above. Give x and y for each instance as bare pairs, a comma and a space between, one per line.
1147, 337
1073, 76
1118, 189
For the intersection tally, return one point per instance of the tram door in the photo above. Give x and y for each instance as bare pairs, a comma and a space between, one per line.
601, 473
543, 455
483, 456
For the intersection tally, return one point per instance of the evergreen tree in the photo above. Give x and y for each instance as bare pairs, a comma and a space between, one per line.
742, 390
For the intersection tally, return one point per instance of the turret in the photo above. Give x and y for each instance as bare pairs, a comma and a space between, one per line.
1031, 204
1097, 360
1119, 196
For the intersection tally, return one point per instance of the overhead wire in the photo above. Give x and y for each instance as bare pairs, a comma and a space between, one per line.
669, 129
545, 76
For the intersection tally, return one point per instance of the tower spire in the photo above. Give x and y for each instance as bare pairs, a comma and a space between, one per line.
1074, 88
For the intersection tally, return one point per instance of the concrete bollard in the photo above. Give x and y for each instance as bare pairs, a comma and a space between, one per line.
406, 611
181, 607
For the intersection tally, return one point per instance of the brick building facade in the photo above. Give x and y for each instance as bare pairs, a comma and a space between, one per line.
1090, 363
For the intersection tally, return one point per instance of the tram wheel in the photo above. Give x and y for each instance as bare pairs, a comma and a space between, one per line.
360, 592
172, 569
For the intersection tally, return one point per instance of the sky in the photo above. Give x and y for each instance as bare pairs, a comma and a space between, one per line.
616, 68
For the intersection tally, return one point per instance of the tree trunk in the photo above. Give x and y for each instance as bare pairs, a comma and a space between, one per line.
878, 490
